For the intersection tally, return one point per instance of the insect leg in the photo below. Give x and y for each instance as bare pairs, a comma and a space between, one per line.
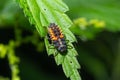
69, 47
67, 41
56, 53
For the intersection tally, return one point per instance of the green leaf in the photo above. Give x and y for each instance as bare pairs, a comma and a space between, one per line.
72, 51
58, 6
59, 59
51, 15
69, 65
68, 70
43, 12
32, 11
69, 35
75, 75
49, 51
107, 10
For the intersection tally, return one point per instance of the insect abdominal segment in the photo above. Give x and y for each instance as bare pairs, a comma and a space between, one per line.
56, 38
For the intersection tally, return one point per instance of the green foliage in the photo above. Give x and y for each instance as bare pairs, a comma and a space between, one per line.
42, 13
7, 12
95, 22
107, 10
99, 47
32, 11
13, 61
8, 50
3, 51
87, 29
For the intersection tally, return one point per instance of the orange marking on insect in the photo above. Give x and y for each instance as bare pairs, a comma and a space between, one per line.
53, 37
55, 32
57, 38
61, 36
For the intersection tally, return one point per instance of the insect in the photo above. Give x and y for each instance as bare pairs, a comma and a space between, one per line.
57, 38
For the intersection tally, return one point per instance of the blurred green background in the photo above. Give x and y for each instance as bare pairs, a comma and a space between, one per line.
98, 47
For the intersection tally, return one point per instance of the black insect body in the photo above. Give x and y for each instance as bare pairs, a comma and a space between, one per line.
56, 38
60, 45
